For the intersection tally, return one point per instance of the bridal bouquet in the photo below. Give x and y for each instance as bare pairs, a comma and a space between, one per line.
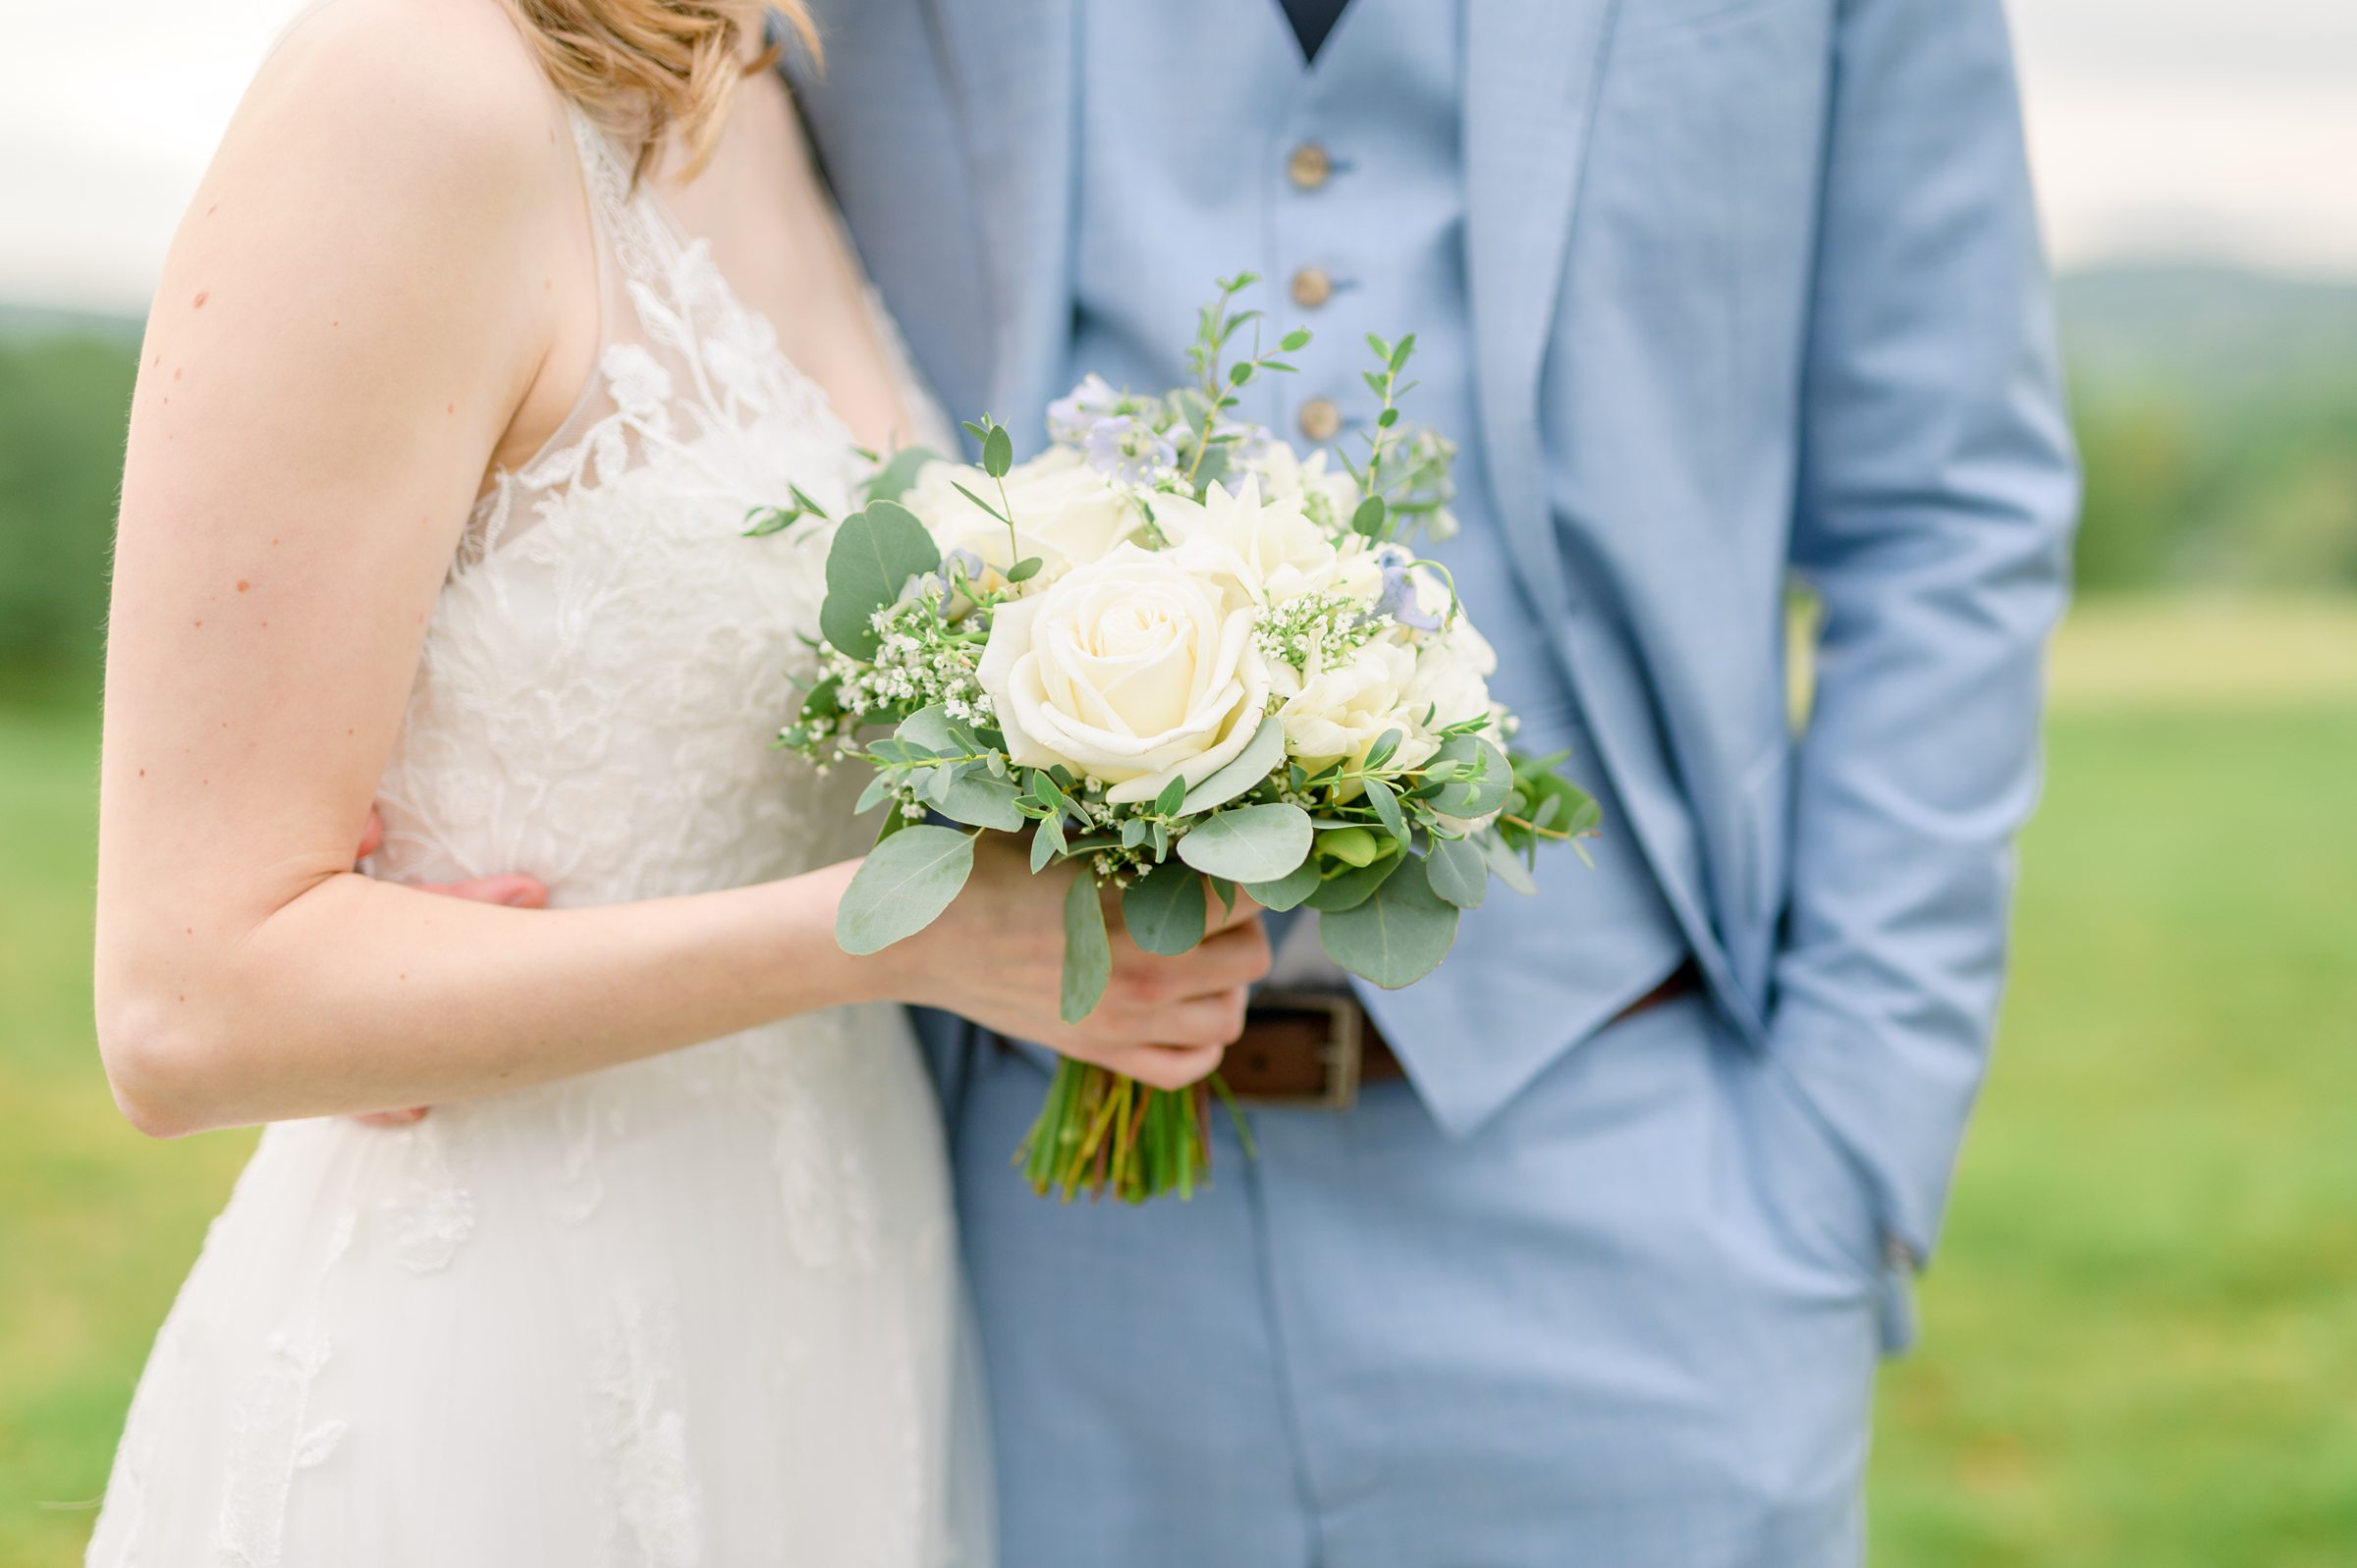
1175, 652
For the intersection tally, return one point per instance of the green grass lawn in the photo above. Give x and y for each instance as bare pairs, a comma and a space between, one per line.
2140, 1339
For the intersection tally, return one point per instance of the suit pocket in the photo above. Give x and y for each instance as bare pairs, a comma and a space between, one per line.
1815, 1192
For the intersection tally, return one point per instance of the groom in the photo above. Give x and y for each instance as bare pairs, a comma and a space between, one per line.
1595, 1263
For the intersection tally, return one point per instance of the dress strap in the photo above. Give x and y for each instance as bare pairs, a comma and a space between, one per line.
636, 235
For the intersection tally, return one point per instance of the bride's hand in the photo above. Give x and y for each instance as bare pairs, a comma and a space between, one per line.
996, 956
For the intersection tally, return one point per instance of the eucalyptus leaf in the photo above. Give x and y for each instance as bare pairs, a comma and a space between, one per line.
1165, 909
978, 501
1353, 886
980, 801
1250, 843
1385, 801
1047, 842
928, 726
1288, 890
1397, 937
998, 451
1507, 865
1457, 872
1584, 816
892, 481
1087, 954
1483, 778
1247, 768
874, 555
906, 882
1214, 468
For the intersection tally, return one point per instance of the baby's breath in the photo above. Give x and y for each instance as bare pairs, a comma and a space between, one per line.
1328, 624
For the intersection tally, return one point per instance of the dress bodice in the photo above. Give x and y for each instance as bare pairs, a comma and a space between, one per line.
611, 655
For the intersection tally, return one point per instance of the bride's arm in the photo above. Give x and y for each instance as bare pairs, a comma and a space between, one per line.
357, 303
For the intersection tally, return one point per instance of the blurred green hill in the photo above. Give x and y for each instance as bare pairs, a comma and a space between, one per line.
2216, 410
64, 392
2218, 417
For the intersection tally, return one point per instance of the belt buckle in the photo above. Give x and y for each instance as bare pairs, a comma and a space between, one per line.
1345, 1049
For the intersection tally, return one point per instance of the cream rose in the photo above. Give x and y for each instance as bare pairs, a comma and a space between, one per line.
1270, 550
1337, 711
1450, 684
1131, 670
1452, 677
1065, 513
1286, 476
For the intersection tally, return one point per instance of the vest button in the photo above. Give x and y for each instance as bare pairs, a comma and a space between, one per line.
1321, 421
1312, 287
1309, 166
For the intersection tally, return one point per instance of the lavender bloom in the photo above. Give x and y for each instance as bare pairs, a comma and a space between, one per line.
967, 561
1074, 415
1123, 450
1250, 441
1398, 596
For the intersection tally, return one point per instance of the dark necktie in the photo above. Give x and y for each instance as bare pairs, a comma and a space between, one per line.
1312, 20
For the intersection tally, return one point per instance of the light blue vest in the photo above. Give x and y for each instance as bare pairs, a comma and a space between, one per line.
1224, 192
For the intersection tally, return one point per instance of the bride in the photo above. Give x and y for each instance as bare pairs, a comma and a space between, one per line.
486, 327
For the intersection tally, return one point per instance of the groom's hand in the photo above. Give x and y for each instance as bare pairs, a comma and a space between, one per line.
996, 958
516, 892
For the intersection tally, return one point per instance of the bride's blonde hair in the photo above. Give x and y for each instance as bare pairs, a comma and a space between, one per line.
651, 70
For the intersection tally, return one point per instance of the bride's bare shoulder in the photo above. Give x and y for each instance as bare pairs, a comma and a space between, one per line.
393, 205
386, 93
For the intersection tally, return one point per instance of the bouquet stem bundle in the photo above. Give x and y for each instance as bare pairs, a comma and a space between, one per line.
1103, 1133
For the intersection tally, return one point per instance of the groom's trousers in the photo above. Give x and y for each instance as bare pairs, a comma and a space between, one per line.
1630, 1320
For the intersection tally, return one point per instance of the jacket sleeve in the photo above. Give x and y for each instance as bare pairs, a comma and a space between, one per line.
1935, 509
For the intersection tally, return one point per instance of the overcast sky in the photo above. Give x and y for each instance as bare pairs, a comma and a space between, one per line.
2220, 128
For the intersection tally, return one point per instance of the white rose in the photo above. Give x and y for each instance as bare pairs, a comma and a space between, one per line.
1270, 550
1065, 513
1285, 475
1336, 712
1131, 670
1452, 677
1450, 683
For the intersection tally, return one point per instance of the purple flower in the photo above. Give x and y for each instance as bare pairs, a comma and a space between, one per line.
1121, 448
1249, 443
1074, 415
971, 562
1398, 596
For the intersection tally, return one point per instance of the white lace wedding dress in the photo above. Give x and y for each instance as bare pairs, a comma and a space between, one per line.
699, 1310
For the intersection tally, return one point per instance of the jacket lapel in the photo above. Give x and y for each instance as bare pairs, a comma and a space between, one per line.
1531, 74
1010, 67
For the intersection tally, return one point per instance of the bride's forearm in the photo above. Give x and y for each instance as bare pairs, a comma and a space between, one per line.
354, 996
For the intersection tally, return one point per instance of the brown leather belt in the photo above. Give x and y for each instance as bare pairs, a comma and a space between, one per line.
1312, 1050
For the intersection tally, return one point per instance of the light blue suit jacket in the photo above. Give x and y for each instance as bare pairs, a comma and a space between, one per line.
1758, 295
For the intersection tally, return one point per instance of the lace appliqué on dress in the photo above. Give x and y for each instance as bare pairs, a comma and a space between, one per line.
652, 1506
